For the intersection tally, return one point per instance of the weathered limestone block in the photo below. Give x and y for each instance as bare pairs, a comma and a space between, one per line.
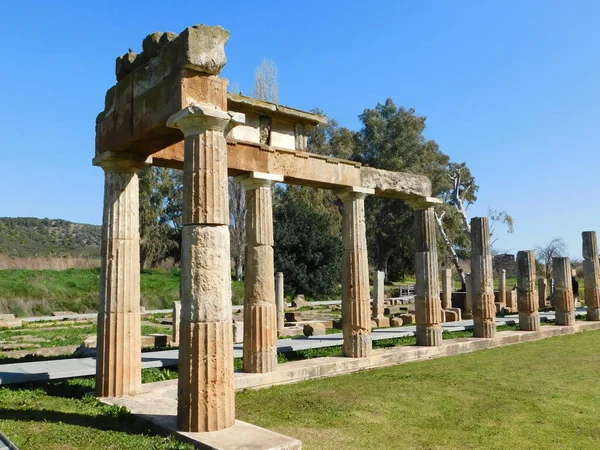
407, 319
280, 302
563, 291
542, 292
382, 322
446, 289
176, 322
356, 308
468, 293
458, 313
292, 331
502, 286
396, 322
14, 323
238, 331
378, 294
299, 301
529, 318
314, 329
511, 301
451, 316
484, 309
591, 275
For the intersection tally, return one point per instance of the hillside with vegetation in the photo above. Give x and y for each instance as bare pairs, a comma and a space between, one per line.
29, 237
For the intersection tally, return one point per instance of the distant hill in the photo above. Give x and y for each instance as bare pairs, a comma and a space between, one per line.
28, 237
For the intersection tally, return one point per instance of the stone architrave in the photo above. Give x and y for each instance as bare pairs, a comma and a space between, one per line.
529, 318
378, 294
447, 289
484, 309
176, 322
118, 361
468, 294
280, 301
542, 292
591, 275
428, 307
356, 306
502, 287
206, 396
260, 309
563, 291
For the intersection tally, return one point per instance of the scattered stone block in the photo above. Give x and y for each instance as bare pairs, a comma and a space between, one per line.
407, 319
314, 329
17, 346
238, 331
458, 311
6, 317
396, 322
63, 313
16, 323
156, 340
382, 322
391, 310
291, 331
87, 348
511, 301
451, 316
299, 301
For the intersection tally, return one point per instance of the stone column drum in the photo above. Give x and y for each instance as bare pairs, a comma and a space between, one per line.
542, 292
447, 289
378, 294
563, 291
280, 301
591, 275
527, 299
260, 310
484, 309
468, 294
118, 361
176, 322
356, 310
206, 397
428, 307
502, 287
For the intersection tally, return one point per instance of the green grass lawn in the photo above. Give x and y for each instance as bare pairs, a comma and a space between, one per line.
542, 395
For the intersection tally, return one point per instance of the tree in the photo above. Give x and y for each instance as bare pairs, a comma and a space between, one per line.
500, 219
237, 226
553, 249
266, 87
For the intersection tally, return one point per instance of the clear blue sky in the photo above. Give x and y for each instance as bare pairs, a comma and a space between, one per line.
510, 87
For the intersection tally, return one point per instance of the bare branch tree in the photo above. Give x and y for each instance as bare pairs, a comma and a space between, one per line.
450, 248
237, 226
458, 198
498, 218
553, 249
266, 87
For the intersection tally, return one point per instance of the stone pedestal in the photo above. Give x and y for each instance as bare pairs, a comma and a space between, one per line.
260, 310
356, 318
529, 318
176, 322
502, 286
591, 275
563, 291
484, 309
468, 294
118, 361
280, 302
446, 288
378, 294
428, 310
206, 397
542, 292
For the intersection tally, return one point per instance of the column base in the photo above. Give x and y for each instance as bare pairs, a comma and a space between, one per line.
565, 318
263, 361
484, 328
529, 322
260, 338
429, 335
357, 345
593, 314
205, 390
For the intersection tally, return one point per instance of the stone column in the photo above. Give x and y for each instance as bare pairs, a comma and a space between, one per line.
260, 310
428, 307
502, 286
118, 361
176, 322
591, 275
206, 397
527, 300
468, 294
378, 294
542, 292
356, 317
280, 301
563, 291
482, 281
447, 289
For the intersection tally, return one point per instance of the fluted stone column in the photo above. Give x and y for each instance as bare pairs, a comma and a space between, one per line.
428, 307
118, 360
527, 299
563, 291
206, 398
502, 286
378, 294
447, 289
356, 310
176, 322
260, 310
468, 294
280, 301
591, 275
542, 292
484, 309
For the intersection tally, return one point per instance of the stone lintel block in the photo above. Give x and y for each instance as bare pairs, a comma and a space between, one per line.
205, 274
388, 183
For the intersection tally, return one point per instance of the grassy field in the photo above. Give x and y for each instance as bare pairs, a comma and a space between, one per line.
542, 395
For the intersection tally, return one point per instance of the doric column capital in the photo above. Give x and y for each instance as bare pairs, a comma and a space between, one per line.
421, 203
354, 193
255, 180
116, 162
199, 118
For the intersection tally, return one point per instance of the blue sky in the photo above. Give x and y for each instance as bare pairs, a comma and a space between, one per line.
510, 87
